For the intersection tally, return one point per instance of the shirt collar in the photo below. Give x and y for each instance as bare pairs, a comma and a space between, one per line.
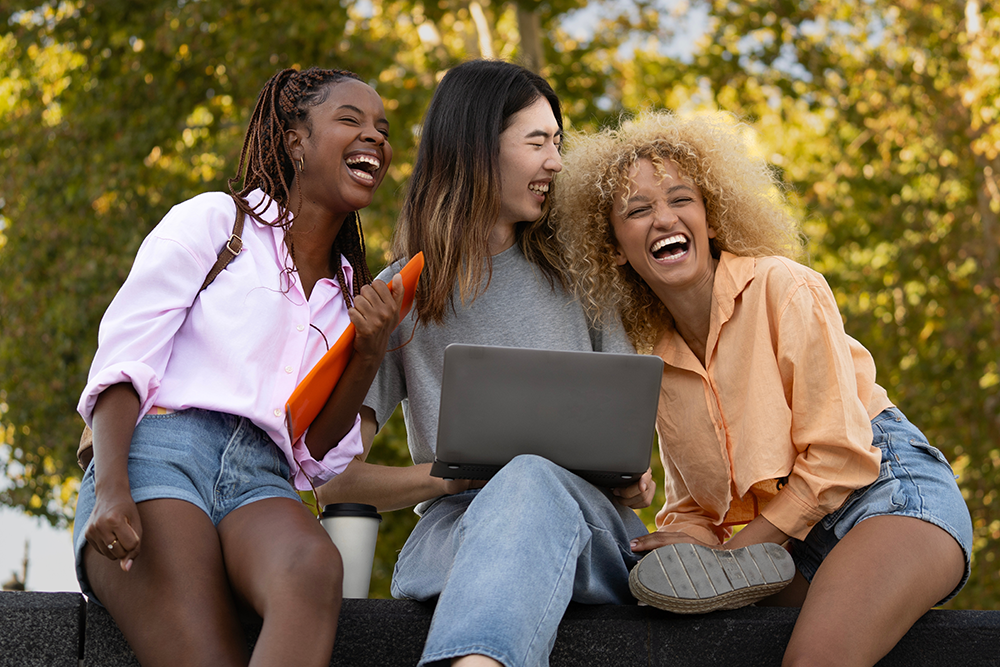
732, 276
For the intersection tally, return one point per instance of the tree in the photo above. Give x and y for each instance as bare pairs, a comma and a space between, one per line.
881, 117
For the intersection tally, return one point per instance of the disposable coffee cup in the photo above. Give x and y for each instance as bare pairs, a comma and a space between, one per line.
353, 527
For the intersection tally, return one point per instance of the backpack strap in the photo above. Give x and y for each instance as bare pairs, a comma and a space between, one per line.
229, 251
85, 451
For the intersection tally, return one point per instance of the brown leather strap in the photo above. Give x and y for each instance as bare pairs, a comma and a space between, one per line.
229, 251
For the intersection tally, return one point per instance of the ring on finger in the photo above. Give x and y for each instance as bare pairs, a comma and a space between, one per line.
112, 545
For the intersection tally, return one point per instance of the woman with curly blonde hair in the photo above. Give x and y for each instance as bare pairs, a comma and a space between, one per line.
741, 197
769, 415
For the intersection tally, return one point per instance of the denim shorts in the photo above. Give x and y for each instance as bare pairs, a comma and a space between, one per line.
215, 461
914, 480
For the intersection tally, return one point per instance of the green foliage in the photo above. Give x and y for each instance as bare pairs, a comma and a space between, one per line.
882, 118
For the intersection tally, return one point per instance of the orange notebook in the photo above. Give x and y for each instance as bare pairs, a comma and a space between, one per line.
312, 393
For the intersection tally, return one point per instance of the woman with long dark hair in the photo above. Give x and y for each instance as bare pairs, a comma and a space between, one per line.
506, 559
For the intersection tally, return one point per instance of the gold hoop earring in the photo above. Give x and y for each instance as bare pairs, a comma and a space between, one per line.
302, 164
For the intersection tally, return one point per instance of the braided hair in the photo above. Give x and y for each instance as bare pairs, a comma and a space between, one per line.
286, 102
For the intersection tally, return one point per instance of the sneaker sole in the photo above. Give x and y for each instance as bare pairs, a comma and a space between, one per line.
693, 579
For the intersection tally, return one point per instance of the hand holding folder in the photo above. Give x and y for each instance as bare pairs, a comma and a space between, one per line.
312, 393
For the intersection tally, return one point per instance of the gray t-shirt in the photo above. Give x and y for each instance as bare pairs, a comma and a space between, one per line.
518, 309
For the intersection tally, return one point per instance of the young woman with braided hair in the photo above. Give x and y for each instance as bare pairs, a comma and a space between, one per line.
188, 511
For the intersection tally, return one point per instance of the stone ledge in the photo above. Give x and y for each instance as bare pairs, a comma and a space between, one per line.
41, 629
54, 629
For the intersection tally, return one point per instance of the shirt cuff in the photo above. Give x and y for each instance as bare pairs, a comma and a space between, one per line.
696, 531
791, 515
139, 375
334, 462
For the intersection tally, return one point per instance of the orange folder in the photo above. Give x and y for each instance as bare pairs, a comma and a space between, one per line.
312, 393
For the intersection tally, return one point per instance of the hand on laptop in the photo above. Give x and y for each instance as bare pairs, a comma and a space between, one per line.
638, 494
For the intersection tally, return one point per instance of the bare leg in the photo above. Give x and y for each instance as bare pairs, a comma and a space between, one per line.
283, 565
871, 588
475, 660
792, 595
174, 606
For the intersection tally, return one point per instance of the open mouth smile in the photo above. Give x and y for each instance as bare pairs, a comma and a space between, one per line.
364, 167
673, 247
539, 188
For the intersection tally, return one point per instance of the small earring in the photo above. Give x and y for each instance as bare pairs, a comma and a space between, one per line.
302, 164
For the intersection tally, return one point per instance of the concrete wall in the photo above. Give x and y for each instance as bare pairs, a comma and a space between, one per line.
55, 629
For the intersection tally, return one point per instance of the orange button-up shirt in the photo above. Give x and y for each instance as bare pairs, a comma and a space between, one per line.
777, 421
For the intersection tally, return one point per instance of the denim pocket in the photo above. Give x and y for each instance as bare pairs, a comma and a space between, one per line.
930, 449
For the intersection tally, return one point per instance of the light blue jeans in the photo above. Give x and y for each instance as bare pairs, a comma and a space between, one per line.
506, 560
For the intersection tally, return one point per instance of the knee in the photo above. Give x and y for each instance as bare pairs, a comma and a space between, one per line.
533, 484
313, 572
528, 470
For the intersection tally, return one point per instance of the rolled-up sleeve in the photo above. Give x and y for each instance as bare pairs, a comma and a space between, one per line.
137, 331
332, 464
830, 428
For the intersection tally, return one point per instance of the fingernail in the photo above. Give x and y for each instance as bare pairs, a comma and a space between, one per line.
128, 565
633, 544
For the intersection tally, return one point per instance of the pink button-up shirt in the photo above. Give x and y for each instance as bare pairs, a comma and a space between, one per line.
784, 394
240, 346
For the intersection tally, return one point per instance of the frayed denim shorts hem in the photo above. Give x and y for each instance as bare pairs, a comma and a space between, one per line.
215, 461
444, 658
915, 480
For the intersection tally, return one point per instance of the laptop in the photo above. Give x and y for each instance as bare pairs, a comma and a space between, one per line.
592, 413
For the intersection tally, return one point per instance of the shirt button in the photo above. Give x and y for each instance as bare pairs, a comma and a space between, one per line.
277, 413
288, 369
300, 328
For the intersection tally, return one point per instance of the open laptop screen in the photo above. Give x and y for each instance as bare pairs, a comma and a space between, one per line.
591, 412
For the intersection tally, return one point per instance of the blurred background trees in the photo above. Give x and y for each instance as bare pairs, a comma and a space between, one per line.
882, 117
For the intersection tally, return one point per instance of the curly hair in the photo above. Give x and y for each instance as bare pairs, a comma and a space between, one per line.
286, 101
744, 204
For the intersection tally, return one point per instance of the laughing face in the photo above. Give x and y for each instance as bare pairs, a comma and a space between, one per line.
661, 230
346, 148
529, 158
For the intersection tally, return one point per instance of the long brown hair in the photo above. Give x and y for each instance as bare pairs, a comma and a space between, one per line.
286, 102
453, 199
